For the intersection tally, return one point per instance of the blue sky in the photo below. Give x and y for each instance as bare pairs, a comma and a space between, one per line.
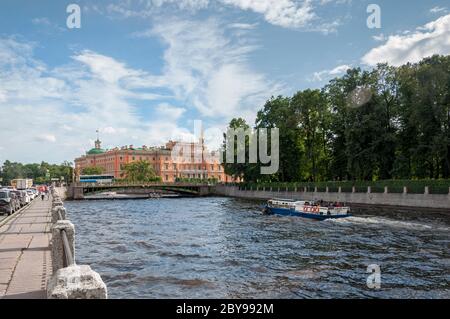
142, 71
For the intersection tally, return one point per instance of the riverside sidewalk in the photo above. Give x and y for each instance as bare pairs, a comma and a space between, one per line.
25, 254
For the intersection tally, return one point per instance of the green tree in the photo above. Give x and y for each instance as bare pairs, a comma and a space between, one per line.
279, 113
245, 170
140, 171
313, 118
92, 171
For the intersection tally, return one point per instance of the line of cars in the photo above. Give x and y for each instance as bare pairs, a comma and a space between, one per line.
11, 199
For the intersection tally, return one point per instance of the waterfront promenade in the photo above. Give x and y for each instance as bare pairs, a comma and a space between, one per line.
25, 254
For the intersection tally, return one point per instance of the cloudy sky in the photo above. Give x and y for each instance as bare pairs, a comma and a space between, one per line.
143, 71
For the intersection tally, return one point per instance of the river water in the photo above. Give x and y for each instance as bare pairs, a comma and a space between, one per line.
225, 248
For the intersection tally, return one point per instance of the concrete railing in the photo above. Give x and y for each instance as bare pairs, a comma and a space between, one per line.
405, 199
69, 280
368, 190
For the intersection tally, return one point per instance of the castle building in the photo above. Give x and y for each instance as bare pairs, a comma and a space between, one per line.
172, 161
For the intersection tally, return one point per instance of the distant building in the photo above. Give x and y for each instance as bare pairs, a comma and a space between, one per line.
192, 160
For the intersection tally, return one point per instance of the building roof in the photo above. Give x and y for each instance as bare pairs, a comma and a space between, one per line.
96, 151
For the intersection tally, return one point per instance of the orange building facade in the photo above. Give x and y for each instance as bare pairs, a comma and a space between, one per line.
175, 160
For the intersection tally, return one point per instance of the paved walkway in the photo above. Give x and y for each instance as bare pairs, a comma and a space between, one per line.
25, 256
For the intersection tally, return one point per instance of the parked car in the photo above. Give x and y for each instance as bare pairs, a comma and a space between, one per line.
23, 197
8, 202
28, 198
16, 200
32, 193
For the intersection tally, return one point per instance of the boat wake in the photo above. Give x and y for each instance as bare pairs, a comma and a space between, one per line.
389, 222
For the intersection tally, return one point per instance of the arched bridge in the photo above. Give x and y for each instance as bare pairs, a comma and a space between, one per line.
81, 190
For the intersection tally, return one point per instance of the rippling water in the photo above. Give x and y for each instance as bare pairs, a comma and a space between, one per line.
225, 248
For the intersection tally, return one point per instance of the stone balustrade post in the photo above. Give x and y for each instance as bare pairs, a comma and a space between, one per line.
305, 189
55, 214
327, 189
76, 282
57, 203
427, 190
405, 190
353, 189
369, 189
386, 190
340, 189
58, 256
315, 189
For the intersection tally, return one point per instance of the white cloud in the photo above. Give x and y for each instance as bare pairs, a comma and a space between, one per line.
104, 67
379, 38
52, 114
41, 21
208, 69
433, 38
320, 76
46, 138
47, 25
285, 13
293, 14
60, 108
243, 26
167, 112
438, 10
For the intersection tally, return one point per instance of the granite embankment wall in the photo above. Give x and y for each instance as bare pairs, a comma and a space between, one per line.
420, 202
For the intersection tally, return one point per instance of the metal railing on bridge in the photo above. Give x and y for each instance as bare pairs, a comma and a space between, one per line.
146, 184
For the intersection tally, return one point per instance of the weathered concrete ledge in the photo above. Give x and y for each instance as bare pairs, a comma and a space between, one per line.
76, 282
432, 202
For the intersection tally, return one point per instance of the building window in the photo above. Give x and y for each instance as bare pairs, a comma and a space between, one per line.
174, 167
166, 166
167, 177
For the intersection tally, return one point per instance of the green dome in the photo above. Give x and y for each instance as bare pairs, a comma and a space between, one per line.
96, 151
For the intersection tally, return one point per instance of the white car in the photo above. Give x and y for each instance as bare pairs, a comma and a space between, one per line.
31, 194
27, 196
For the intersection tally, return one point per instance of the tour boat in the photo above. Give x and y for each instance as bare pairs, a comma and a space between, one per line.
307, 209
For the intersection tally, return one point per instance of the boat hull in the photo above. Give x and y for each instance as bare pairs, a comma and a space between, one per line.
288, 212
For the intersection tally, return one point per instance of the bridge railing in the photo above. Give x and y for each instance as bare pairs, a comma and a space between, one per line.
144, 184
69, 280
